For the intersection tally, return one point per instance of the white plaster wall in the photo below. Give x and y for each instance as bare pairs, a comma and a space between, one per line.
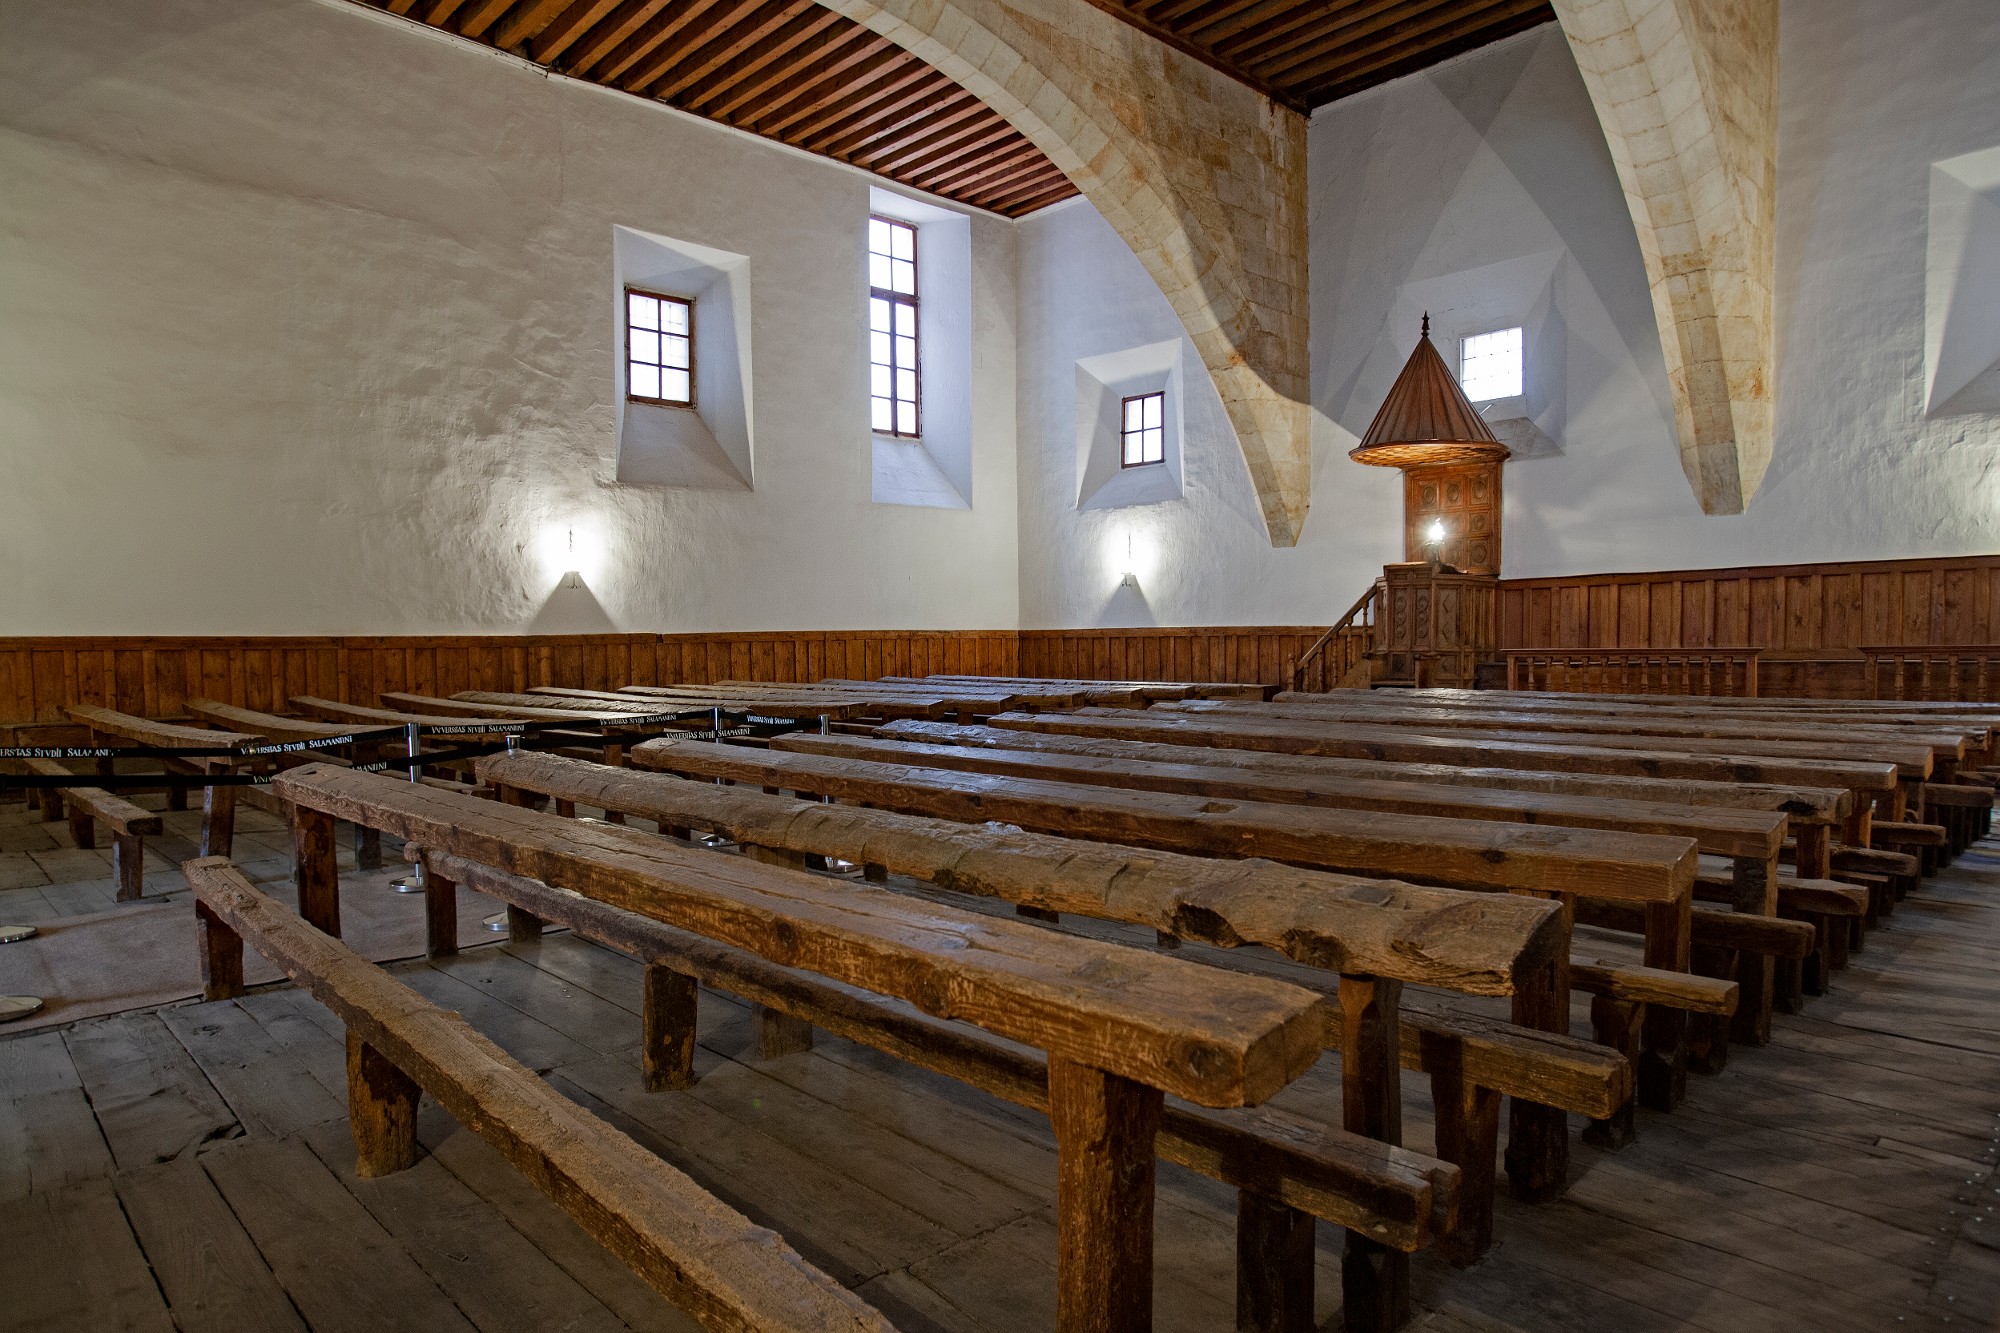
1483, 185
302, 331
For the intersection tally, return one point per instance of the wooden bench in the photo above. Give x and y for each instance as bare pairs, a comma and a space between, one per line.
1284, 1167
218, 802
1651, 872
1122, 1028
86, 807
1751, 838
1484, 945
689, 1246
1151, 691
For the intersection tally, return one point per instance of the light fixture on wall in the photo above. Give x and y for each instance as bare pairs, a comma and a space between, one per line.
1131, 579
1434, 535
570, 554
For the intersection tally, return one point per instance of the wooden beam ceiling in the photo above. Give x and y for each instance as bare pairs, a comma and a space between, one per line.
797, 72
789, 70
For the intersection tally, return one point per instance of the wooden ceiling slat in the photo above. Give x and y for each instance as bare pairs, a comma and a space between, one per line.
1212, 29
732, 42
610, 35
401, 6
640, 58
480, 17
898, 76
1441, 23
1052, 187
1268, 48
985, 145
893, 117
1420, 53
440, 12
1167, 36
1007, 165
528, 23
943, 133
760, 68
860, 65
569, 26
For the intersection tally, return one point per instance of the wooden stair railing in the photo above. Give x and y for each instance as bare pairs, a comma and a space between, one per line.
1350, 637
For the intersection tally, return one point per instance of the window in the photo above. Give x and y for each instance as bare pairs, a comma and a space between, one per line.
1143, 433
892, 328
1489, 365
659, 348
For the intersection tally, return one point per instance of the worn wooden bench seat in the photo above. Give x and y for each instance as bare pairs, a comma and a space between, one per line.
1442, 938
689, 1246
218, 803
1150, 690
86, 807
1122, 1027
1280, 1163
796, 708
1650, 870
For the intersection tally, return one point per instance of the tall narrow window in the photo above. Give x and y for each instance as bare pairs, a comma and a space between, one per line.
893, 400
1144, 432
1489, 365
659, 348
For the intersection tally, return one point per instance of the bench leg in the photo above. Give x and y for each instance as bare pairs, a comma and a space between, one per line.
1274, 1266
128, 865
1662, 1070
440, 915
221, 955
315, 869
779, 1034
523, 927
1756, 891
177, 798
381, 1110
367, 848
82, 828
668, 1021
1468, 1136
52, 804
1538, 1135
1708, 1034
218, 821
1374, 1279
1619, 1025
1105, 1126
1037, 913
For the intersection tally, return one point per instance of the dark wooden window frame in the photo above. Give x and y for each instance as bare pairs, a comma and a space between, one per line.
1124, 461
896, 299
686, 303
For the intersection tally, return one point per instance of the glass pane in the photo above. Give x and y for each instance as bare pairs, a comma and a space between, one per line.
645, 347
906, 277
674, 385
1129, 445
645, 382
903, 242
676, 351
878, 348
1153, 402
906, 418
906, 320
878, 272
673, 317
878, 381
882, 409
878, 314
906, 385
906, 351
642, 312
1153, 448
1134, 414
878, 236
1490, 365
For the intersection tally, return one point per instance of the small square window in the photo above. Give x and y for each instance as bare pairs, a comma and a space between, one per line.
659, 348
1143, 430
1489, 365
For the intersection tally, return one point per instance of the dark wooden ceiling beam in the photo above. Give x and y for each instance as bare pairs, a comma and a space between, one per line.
761, 68
569, 27
660, 45
729, 43
1441, 24
528, 22
898, 76
1012, 163
475, 21
441, 11
907, 101
608, 34
943, 139
1268, 48
835, 86
1167, 36
1412, 56
1051, 187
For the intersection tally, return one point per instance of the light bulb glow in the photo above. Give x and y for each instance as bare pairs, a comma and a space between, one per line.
1434, 534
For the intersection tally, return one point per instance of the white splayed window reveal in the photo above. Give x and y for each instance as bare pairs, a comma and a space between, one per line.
1489, 365
659, 348
894, 398
1143, 434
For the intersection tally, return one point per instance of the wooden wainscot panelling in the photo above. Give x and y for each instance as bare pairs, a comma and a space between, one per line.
1247, 654
154, 677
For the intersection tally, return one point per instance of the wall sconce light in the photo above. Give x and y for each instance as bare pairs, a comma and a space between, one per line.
1131, 580
1434, 537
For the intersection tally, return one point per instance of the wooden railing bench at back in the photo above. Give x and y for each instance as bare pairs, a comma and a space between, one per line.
1396, 933
1696, 671
1122, 1027
688, 1245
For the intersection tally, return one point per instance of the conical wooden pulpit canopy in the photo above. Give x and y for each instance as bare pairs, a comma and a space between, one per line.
1427, 419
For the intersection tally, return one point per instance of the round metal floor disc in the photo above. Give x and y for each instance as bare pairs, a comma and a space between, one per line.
410, 884
17, 1006
496, 922
12, 934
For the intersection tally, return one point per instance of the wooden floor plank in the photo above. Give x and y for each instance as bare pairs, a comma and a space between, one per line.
265, 1085
68, 1261
209, 1268
151, 1099
340, 1268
